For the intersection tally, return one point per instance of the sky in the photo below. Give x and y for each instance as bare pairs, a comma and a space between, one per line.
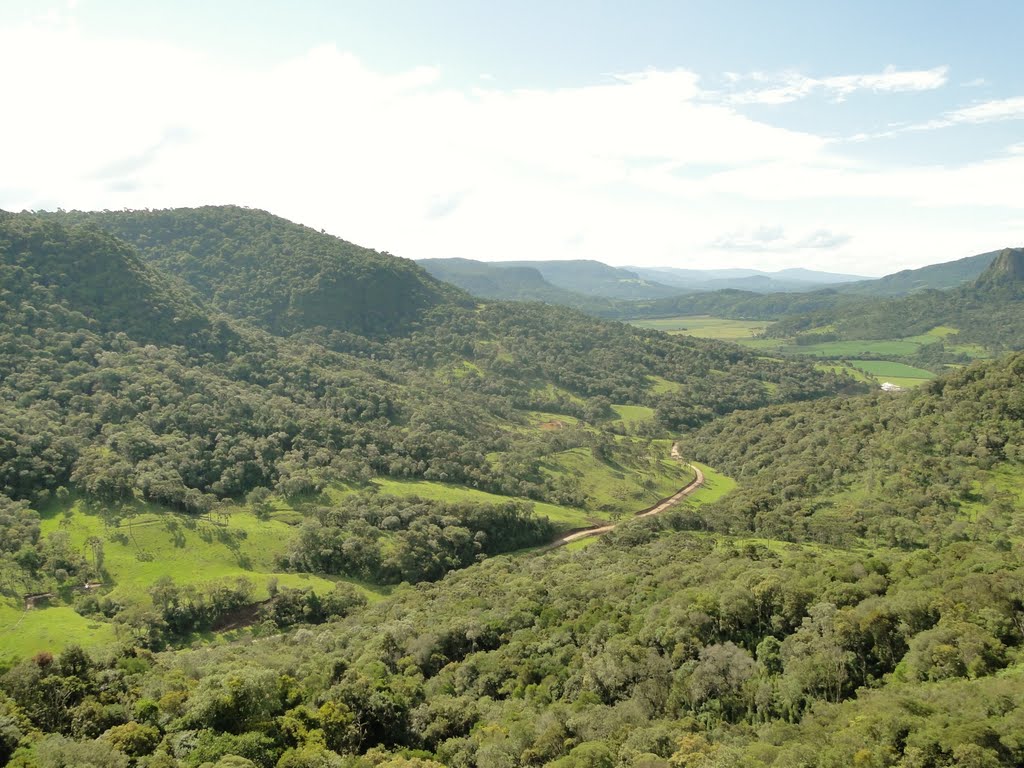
859, 137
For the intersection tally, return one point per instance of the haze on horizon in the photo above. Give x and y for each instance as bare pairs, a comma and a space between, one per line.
861, 139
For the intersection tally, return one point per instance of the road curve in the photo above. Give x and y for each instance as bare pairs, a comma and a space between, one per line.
661, 506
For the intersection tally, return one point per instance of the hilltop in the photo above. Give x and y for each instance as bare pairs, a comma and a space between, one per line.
950, 274
80, 275
500, 281
986, 312
281, 276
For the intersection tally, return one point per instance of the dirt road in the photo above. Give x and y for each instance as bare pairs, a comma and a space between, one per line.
661, 506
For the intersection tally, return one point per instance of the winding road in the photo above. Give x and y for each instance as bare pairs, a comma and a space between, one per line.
661, 506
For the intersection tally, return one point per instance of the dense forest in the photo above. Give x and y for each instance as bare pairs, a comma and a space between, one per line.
856, 600
985, 312
122, 385
884, 629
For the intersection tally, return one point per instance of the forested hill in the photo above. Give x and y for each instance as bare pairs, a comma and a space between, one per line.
279, 275
856, 603
950, 274
844, 298
512, 283
988, 312
79, 276
182, 409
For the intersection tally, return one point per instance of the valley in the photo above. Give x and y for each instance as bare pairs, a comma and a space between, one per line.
301, 503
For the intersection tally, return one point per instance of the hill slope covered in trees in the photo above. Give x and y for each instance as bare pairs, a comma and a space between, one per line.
855, 602
149, 400
279, 275
987, 312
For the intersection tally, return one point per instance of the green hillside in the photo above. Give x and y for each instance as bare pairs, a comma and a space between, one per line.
592, 278
950, 274
854, 599
112, 407
80, 276
279, 275
986, 312
500, 281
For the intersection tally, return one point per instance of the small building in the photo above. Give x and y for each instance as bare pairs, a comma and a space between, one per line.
888, 386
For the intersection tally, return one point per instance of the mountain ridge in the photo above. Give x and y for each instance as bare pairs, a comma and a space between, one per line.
281, 276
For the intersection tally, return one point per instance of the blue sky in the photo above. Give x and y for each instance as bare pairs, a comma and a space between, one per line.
860, 137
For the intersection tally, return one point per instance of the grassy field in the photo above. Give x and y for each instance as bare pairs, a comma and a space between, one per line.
564, 518
857, 373
47, 629
871, 347
851, 349
554, 392
544, 420
159, 543
630, 414
573, 546
661, 386
716, 485
614, 490
705, 326
900, 374
189, 551
938, 333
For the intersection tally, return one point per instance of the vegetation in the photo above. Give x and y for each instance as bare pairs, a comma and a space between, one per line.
513, 283
706, 327
279, 275
985, 312
855, 599
844, 590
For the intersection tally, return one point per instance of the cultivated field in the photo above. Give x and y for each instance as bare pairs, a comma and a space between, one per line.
705, 326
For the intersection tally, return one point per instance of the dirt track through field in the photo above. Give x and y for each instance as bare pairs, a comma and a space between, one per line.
661, 506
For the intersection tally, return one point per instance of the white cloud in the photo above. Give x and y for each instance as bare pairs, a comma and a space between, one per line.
987, 112
769, 239
786, 87
640, 168
996, 110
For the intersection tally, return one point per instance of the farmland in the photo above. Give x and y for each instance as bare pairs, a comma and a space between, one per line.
706, 326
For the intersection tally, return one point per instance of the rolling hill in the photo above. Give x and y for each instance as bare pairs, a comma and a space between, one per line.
948, 274
988, 311
786, 280
488, 280
278, 275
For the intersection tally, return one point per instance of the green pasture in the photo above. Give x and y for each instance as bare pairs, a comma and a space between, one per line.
900, 374
564, 518
938, 333
661, 386
544, 419
188, 550
705, 326
631, 414
857, 373
552, 391
852, 349
615, 489
716, 485
574, 546
46, 628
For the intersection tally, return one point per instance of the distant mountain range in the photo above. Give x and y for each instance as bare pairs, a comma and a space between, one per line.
560, 282
603, 289
577, 283
949, 274
986, 311
792, 280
